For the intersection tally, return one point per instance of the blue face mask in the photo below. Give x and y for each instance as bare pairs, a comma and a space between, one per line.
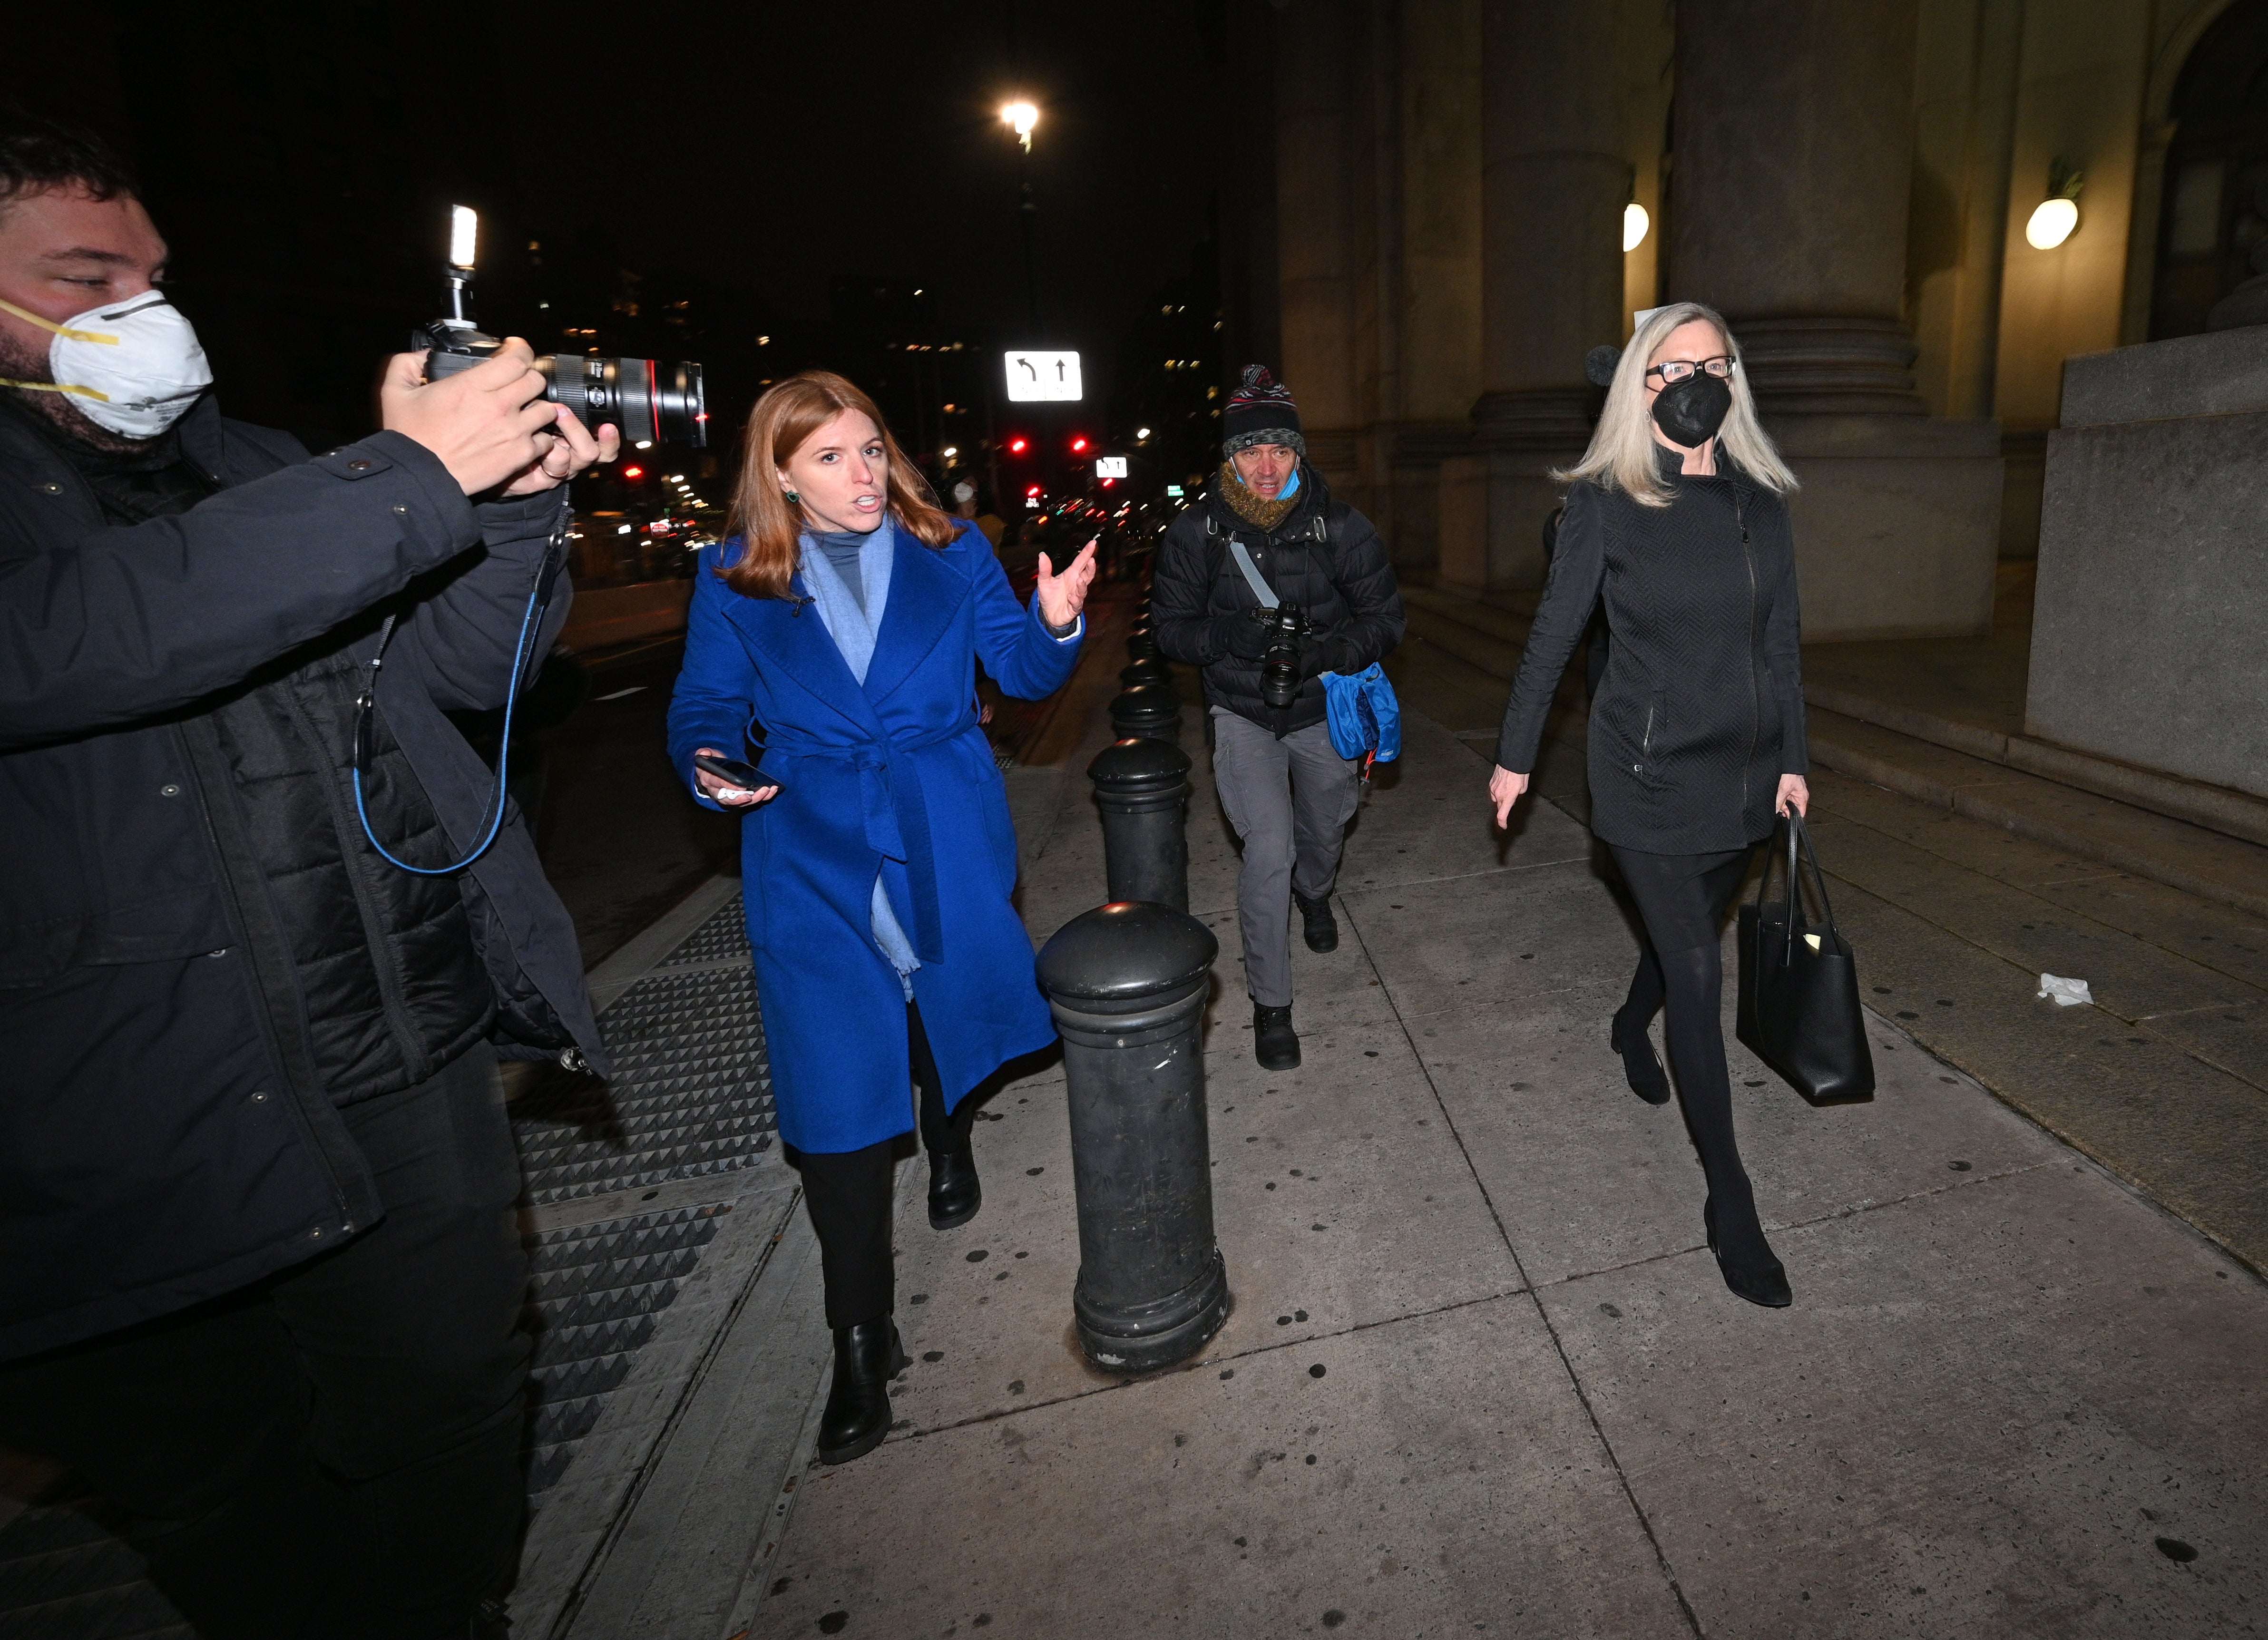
1291, 488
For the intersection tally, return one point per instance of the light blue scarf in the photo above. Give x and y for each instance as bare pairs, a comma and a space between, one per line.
853, 628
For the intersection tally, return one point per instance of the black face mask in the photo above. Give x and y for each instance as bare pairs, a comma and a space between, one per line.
1690, 412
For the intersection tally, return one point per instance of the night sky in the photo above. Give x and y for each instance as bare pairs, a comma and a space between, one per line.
775, 147
301, 161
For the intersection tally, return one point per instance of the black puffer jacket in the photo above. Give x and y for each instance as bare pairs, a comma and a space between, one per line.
1344, 584
200, 958
1701, 710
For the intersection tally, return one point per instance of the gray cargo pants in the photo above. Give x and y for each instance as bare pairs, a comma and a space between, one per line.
1290, 800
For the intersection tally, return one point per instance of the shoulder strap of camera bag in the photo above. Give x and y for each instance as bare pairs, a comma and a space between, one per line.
1319, 531
1253, 578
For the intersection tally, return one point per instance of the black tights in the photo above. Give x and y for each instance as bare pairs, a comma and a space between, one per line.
1682, 899
848, 1195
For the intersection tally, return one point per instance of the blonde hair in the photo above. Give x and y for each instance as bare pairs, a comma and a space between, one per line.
1623, 450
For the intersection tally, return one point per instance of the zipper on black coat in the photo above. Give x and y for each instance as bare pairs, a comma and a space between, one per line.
385, 951
1755, 701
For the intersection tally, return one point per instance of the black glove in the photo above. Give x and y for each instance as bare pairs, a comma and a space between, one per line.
1240, 634
1318, 656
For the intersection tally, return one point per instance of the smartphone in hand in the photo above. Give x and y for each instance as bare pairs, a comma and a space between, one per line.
733, 772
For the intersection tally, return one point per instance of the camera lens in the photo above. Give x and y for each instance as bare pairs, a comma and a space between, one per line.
650, 402
681, 405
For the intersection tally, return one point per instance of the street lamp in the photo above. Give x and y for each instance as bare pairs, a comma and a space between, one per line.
1022, 118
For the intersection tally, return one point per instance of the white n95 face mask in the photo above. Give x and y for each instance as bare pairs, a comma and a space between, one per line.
133, 368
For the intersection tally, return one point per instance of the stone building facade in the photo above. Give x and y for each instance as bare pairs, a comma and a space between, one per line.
1427, 205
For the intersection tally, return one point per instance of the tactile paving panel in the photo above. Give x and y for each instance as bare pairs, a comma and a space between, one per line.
691, 1095
723, 936
64, 1577
597, 1292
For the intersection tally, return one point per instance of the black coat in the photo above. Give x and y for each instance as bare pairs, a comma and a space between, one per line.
1346, 587
1701, 708
171, 722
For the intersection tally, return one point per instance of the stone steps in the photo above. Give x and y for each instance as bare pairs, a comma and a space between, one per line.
2216, 808
2201, 840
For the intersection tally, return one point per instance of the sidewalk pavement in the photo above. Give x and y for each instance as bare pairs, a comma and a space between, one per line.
1481, 1375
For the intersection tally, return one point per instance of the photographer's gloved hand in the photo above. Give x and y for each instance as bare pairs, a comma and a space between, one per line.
489, 425
1241, 634
1317, 655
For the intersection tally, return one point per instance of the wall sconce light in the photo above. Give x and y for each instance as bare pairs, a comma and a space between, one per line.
1635, 221
2056, 216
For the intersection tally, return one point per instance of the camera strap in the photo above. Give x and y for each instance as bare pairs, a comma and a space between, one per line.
538, 600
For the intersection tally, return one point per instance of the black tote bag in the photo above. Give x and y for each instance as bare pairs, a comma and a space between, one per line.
1799, 1003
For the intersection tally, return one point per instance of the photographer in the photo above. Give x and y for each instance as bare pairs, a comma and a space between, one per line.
1285, 790
259, 1280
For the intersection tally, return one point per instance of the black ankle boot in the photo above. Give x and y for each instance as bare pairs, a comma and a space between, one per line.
1641, 1065
1321, 928
954, 1192
866, 1358
1757, 1275
1274, 1042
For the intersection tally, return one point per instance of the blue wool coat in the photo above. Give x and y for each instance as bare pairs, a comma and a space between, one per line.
895, 775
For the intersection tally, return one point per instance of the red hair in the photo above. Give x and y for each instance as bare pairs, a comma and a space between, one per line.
769, 524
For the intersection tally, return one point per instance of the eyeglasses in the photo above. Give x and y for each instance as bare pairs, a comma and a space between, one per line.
1682, 370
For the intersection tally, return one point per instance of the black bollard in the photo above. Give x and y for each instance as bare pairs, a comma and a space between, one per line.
1141, 785
1150, 672
1128, 985
1140, 645
1147, 711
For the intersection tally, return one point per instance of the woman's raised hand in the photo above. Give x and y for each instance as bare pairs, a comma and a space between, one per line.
1505, 788
1061, 597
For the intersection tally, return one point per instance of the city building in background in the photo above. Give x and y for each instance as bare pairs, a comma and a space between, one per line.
1912, 212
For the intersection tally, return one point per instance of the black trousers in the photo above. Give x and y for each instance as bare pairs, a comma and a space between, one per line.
336, 1451
848, 1195
1683, 900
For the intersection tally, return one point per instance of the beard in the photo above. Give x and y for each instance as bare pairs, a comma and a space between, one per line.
19, 363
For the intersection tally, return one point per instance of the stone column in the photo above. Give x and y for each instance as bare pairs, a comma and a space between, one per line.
1437, 233
1554, 180
1789, 196
1314, 249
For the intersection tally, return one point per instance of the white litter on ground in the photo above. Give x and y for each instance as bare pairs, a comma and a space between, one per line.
2067, 993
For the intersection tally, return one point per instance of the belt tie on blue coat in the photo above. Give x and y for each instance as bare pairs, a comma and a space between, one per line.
896, 817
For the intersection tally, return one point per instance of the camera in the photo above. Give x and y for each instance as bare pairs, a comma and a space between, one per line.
1279, 663
651, 403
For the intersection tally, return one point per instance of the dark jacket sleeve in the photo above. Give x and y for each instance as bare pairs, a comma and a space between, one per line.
1365, 580
1181, 592
1783, 655
1571, 592
125, 622
463, 637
